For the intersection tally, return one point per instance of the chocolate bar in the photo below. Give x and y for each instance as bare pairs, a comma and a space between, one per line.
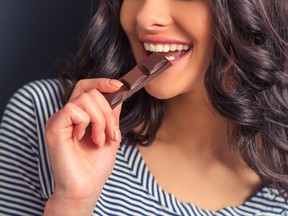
138, 77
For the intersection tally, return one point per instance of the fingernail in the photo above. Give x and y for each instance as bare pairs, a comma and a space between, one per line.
117, 134
102, 139
82, 134
115, 83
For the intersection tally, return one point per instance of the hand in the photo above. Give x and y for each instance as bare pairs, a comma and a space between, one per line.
82, 160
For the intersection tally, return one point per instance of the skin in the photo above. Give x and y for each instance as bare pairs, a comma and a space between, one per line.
81, 159
192, 141
147, 23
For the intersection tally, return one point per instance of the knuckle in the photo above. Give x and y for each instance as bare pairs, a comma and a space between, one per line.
99, 123
85, 97
79, 84
86, 117
68, 108
83, 100
94, 92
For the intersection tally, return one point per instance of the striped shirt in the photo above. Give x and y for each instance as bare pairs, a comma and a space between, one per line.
26, 180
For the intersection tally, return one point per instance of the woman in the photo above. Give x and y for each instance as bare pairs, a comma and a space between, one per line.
206, 137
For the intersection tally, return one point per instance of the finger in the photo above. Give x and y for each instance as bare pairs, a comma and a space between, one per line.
117, 132
88, 103
117, 111
68, 122
112, 131
112, 124
111, 116
101, 84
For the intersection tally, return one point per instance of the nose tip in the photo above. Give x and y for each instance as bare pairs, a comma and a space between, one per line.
153, 16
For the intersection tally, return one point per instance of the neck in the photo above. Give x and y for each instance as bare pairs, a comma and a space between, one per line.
191, 156
190, 121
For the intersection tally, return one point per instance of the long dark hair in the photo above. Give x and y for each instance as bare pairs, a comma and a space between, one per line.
247, 80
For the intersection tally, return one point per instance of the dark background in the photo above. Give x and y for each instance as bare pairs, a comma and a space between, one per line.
33, 35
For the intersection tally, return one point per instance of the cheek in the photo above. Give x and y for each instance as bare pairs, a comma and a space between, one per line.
128, 16
204, 42
195, 20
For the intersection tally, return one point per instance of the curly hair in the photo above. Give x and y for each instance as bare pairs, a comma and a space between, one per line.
247, 80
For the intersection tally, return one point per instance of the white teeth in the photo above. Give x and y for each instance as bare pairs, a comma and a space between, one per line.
185, 47
159, 48
146, 46
152, 47
170, 58
173, 47
179, 47
165, 47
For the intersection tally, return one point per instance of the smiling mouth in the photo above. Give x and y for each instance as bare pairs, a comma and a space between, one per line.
172, 52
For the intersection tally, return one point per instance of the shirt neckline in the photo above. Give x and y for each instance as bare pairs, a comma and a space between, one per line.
171, 203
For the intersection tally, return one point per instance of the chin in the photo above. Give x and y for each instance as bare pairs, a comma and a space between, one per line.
159, 93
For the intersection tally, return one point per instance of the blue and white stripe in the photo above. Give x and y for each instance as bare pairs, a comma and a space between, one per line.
26, 180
